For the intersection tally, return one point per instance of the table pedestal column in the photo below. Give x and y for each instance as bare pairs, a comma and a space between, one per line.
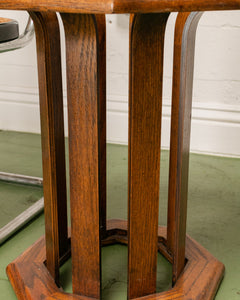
196, 273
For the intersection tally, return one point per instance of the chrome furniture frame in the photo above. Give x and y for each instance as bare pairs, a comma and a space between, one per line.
13, 226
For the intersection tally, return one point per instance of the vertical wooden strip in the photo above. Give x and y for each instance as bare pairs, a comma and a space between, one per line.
83, 115
183, 65
101, 27
145, 106
52, 134
179, 27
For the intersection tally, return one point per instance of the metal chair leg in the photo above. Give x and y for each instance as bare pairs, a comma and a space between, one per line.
10, 40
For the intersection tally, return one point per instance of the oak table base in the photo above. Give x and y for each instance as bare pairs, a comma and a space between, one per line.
200, 279
35, 274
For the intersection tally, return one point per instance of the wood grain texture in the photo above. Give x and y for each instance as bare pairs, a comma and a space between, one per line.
101, 28
82, 52
145, 107
85, 46
153, 6
183, 66
119, 6
52, 136
200, 280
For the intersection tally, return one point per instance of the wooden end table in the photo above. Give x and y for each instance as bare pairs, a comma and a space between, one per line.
35, 274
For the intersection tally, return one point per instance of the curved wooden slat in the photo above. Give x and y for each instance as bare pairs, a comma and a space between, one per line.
183, 65
101, 29
52, 136
82, 51
145, 108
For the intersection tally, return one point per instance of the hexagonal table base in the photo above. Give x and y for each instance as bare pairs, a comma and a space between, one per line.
199, 280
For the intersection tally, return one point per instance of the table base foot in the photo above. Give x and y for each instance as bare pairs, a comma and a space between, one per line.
200, 279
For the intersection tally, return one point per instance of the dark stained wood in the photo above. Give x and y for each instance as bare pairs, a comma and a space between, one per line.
183, 65
84, 150
145, 106
64, 296
86, 69
52, 135
65, 6
101, 28
119, 6
200, 280
153, 6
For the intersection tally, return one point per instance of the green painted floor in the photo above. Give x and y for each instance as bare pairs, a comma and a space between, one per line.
213, 213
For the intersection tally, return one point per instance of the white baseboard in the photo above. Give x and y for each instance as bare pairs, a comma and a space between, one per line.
19, 110
215, 128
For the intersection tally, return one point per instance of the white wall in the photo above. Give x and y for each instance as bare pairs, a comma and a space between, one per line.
216, 95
